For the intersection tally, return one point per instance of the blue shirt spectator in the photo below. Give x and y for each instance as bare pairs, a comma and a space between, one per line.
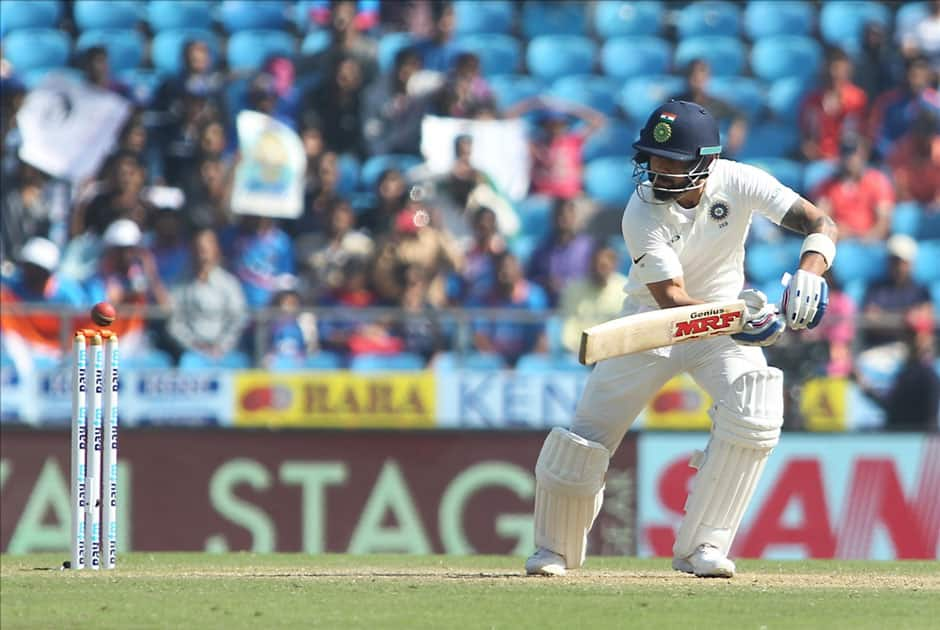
259, 252
895, 111
563, 256
439, 51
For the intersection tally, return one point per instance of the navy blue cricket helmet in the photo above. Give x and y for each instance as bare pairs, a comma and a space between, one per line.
677, 130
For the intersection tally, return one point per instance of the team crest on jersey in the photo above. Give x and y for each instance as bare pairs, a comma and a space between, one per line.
718, 211
662, 131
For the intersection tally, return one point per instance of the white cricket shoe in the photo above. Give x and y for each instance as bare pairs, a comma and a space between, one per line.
545, 562
707, 561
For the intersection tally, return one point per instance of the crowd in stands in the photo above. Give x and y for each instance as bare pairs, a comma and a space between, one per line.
854, 128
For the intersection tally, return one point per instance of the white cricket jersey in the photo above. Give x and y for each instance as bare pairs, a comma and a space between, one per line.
704, 245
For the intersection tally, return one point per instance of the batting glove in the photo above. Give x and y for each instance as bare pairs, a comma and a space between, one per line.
762, 323
804, 300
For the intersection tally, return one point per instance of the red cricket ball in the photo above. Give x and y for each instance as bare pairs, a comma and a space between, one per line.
103, 314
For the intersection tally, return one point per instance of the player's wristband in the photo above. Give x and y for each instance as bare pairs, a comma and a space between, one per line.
822, 245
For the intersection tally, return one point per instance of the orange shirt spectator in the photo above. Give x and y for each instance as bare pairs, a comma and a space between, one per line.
860, 199
915, 163
831, 111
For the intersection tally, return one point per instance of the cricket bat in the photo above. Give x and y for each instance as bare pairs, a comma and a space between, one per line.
663, 327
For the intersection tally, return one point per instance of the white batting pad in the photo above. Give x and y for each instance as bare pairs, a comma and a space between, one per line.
745, 428
569, 491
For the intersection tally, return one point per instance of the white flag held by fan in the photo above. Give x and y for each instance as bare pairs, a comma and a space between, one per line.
269, 178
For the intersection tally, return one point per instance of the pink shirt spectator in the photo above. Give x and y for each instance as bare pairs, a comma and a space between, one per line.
558, 167
838, 328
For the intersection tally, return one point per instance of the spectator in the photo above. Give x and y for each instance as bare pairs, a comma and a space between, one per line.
834, 110
697, 75
320, 198
835, 334
912, 402
923, 37
915, 162
324, 254
592, 300
391, 198
209, 313
418, 327
346, 40
181, 137
415, 243
466, 91
897, 295
479, 271
25, 211
272, 91
557, 161
338, 101
96, 70
354, 291
168, 244
392, 116
288, 337
564, 255
878, 65
260, 254
208, 196
127, 277
439, 51
858, 197
197, 74
311, 134
505, 336
895, 111
29, 335
121, 197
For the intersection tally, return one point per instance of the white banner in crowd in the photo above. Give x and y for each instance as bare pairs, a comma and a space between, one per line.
269, 179
69, 127
500, 149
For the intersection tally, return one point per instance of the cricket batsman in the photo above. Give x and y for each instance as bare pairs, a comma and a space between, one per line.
685, 227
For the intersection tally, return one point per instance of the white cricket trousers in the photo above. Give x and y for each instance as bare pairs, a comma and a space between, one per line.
618, 389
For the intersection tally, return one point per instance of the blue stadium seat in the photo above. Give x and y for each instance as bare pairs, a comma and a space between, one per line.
789, 172
709, 17
553, 18
612, 140
148, 360
552, 56
171, 14
249, 49
125, 47
909, 14
509, 89
36, 48
767, 262
786, 95
769, 139
841, 23
935, 292
348, 174
929, 226
546, 363
523, 245
493, 16
815, 173
498, 53
535, 215
766, 18
591, 90
99, 14
641, 95
389, 45
746, 94
404, 362
927, 265
906, 219
247, 15
19, 14
323, 360
34, 77
725, 55
234, 360
867, 262
627, 57
782, 56
378, 164
614, 18
166, 49
608, 180
316, 42
453, 361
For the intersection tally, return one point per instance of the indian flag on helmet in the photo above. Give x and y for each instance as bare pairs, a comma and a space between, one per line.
667, 116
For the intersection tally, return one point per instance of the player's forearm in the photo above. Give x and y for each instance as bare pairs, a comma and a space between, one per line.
670, 294
805, 218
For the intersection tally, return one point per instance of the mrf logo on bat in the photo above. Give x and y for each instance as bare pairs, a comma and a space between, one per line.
704, 323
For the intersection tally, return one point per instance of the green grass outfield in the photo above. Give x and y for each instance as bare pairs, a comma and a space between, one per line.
242, 590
